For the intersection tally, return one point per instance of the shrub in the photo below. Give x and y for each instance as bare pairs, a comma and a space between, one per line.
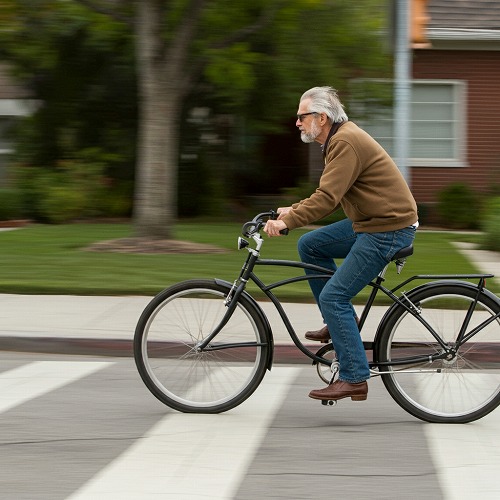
62, 204
52, 195
458, 207
11, 206
116, 200
76, 188
491, 225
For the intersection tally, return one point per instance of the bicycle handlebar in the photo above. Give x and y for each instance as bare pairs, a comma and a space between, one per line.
256, 224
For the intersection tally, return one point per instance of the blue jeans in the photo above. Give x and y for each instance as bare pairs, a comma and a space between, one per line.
365, 255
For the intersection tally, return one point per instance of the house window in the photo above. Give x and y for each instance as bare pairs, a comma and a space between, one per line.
437, 121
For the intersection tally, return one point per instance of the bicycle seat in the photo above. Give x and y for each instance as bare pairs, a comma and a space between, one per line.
403, 253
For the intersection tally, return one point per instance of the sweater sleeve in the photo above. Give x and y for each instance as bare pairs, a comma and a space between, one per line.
342, 168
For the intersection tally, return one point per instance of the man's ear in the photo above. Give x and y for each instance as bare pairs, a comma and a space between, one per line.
323, 119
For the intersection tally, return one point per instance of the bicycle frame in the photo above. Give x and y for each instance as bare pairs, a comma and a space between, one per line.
376, 288
247, 274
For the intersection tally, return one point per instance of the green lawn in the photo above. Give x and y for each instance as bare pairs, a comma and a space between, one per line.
52, 260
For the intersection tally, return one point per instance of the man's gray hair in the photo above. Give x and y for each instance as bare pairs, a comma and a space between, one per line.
326, 100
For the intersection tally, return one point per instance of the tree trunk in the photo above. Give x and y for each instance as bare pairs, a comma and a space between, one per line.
159, 117
156, 172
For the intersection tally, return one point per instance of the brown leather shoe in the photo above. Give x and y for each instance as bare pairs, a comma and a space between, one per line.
340, 389
322, 335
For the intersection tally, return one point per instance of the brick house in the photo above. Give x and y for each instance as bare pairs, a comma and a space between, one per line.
455, 106
463, 64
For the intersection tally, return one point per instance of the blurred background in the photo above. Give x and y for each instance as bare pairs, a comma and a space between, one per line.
160, 111
124, 122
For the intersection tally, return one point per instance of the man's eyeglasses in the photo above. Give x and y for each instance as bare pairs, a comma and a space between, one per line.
301, 117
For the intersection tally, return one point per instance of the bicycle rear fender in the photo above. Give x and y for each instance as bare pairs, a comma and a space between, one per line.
395, 307
268, 331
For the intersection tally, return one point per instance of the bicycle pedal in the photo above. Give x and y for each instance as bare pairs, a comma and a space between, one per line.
328, 402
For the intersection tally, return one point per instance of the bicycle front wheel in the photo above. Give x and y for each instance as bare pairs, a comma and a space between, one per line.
176, 372
458, 390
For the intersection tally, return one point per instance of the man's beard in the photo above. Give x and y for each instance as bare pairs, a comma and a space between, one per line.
308, 137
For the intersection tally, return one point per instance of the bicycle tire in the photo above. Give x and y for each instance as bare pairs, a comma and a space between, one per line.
456, 391
200, 382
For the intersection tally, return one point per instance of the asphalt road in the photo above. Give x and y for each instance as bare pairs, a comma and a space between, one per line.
87, 428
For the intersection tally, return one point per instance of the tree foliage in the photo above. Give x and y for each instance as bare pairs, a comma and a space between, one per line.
79, 66
101, 67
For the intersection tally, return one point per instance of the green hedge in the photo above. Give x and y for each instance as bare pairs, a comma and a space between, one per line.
491, 225
11, 205
76, 188
458, 207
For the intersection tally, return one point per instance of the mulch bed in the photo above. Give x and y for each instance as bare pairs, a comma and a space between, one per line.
153, 246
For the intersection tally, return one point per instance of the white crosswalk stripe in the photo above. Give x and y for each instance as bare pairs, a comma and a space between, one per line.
210, 456
40, 377
467, 458
194, 456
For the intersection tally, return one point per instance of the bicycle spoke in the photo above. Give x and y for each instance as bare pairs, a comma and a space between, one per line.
177, 371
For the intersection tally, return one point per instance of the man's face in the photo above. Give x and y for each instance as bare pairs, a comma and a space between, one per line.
307, 123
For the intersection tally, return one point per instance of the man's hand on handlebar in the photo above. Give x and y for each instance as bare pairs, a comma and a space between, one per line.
273, 227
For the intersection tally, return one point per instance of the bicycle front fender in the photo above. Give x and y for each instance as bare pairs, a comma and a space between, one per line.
395, 308
260, 313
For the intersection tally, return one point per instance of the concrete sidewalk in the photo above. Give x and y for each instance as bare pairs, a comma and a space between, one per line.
486, 262
105, 325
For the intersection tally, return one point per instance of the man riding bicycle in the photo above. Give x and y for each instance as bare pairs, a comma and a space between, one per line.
361, 178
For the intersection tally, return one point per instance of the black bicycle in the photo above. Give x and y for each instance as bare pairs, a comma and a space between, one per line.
204, 345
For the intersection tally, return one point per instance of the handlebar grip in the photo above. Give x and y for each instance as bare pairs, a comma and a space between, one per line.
257, 223
274, 216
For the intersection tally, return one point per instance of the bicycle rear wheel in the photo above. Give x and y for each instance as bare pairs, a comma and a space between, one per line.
459, 390
210, 381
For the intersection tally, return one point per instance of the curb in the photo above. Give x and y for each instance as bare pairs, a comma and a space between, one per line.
283, 353
61, 345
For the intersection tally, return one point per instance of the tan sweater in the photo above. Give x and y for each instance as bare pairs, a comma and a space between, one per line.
360, 177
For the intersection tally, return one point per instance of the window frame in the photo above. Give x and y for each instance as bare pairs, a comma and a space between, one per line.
459, 123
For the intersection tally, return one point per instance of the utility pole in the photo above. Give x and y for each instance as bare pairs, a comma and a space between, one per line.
402, 88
